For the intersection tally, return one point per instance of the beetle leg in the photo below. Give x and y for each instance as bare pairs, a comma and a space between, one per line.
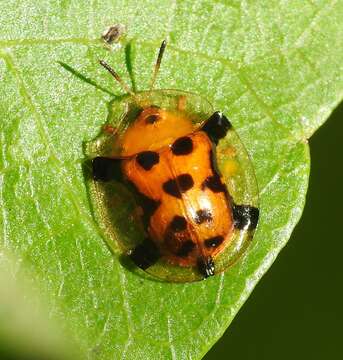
216, 126
206, 266
145, 254
245, 216
106, 169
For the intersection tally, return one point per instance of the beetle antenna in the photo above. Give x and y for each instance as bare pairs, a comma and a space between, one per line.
117, 77
158, 63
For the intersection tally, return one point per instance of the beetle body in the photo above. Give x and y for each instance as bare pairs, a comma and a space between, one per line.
189, 215
166, 153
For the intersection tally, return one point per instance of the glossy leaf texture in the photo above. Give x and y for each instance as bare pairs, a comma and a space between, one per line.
275, 68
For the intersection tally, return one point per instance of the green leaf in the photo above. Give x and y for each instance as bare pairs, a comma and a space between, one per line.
20, 308
274, 68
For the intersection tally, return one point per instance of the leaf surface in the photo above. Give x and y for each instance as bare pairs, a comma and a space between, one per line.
274, 68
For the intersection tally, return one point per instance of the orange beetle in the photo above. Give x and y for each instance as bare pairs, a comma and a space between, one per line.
190, 219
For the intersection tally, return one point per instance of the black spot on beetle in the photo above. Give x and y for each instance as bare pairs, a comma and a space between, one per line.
145, 254
203, 215
206, 266
174, 241
245, 216
175, 187
147, 159
214, 242
182, 146
186, 248
214, 183
185, 182
171, 188
179, 223
149, 206
151, 119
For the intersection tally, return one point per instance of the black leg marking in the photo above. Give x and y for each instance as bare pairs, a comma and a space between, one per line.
203, 215
147, 159
206, 267
145, 254
186, 248
217, 126
182, 146
245, 216
214, 242
106, 169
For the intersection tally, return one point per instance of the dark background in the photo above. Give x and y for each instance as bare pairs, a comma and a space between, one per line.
296, 311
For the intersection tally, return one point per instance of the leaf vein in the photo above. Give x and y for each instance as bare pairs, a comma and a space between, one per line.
170, 339
317, 15
127, 309
27, 98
